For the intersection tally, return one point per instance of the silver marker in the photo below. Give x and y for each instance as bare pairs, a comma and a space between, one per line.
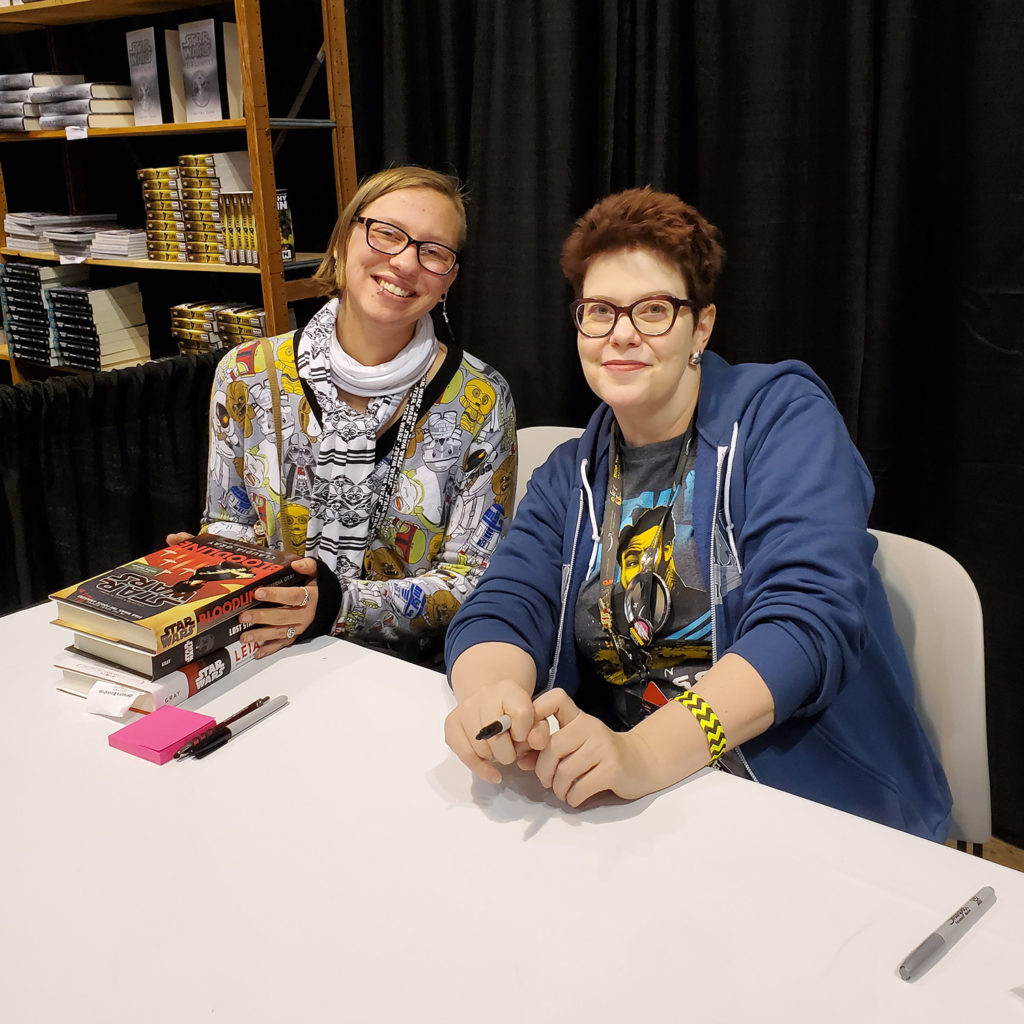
949, 932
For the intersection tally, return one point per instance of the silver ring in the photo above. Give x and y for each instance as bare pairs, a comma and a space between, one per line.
305, 600
290, 632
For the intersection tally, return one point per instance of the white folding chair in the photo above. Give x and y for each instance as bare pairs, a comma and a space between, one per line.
937, 614
535, 445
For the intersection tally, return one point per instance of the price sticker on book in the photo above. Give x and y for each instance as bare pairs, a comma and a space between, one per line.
75, 131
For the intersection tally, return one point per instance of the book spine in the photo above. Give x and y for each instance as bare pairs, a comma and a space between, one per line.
204, 671
250, 230
180, 684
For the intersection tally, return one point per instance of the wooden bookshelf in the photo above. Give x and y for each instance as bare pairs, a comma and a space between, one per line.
53, 13
189, 128
277, 288
303, 260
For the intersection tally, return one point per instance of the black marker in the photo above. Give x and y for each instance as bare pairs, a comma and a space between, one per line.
222, 734
496, 728
190, 747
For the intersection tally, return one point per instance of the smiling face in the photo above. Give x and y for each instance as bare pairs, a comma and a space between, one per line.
648, 381
386, 295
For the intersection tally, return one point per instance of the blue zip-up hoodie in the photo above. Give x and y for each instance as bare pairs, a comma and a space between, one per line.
781, 500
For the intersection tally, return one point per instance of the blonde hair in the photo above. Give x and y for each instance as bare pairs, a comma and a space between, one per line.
330, 275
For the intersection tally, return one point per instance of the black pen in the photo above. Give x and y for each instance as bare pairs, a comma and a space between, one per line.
190, 747
222, 734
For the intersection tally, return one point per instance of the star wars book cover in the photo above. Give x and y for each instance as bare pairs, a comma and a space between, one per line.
164, 598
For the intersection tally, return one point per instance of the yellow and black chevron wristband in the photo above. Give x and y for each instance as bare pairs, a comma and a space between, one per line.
707, 720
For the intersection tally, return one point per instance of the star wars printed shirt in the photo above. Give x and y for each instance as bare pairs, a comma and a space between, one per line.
660, 606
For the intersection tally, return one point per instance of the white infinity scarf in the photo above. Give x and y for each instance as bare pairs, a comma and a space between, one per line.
397, 375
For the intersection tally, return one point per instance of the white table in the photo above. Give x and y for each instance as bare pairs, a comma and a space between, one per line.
336, 863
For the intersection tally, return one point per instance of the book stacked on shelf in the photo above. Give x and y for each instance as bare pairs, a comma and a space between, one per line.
18, 111
24, 299
213, 327
75, 240
166, 624
28, 232
165, 225
119, 244
99, 328
83, 105
240, 235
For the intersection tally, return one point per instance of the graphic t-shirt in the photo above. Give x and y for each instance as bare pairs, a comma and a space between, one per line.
659, 603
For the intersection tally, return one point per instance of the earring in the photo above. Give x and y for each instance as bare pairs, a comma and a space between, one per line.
695, 357
444, 309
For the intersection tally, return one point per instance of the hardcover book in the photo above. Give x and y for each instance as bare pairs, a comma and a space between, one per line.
161, 599
18, 108
155, 666
81, 672
19, 124
32, 79
84, 106
84, 90
51, 121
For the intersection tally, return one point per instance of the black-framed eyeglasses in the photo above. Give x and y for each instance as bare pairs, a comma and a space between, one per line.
391, 240
651, 315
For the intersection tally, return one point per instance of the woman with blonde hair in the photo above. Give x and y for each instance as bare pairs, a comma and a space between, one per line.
380, 454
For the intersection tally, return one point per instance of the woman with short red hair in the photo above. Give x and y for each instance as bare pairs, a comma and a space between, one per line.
691, 581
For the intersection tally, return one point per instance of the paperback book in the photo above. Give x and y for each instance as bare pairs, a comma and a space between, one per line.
211, 70
147, 65
163, 598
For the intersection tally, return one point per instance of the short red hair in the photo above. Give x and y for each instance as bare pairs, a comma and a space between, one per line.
641, 218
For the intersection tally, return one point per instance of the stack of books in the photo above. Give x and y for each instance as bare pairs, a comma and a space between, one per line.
99, 328
240, 236
165, 226
213, 327
19, 113
31, 232
166, 625
24, 299
119, 244
183, 213
83, 105
203, 178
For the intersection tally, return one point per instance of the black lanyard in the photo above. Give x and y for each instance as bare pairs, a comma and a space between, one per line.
405, 429
633, 657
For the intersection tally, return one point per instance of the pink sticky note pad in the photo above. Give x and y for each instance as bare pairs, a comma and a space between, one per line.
161, 734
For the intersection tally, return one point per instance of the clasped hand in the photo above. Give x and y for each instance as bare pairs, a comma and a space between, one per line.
579, 759
286, 612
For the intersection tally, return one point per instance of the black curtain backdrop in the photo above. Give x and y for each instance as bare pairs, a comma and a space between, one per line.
863, 160
96, 469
